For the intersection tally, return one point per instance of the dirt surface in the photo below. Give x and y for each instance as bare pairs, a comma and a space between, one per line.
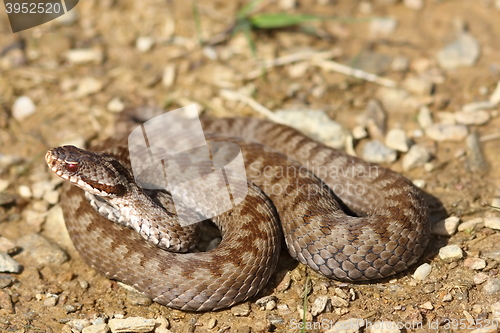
176, 71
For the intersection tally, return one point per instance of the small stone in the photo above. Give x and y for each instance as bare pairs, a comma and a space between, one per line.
495, 202
475, 263
101, 328
480, 278
447, 298
50, 301
424, 117
162, 325
131, 324
491, 286
22, 108
492, 222
40, 249
168, 76
276, 320
495, 96
396, 139
9, 265
451, 253
375, 118
4, 184
7, 246
383, 26
320, 304
420, 183
241, 310
338, 302
83, 56
78, 324
144, 43
414, 4
418, 85
284, 310
352, 325
464, 51
471, 224
359, 132
416, 157
427, 306
88, 86
478, 106
267, 302
422, 272
480, 117
212, 322
447, 227
446, 132
52, 197
375, 151
495, 310
115, 105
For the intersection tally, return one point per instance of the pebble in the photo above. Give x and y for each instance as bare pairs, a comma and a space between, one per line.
417, 156
267, 303
492, 286
414, 4
375, 119
426, 306
495, 202
42, 250
9, 265
212, 322
478, 106
446, 132
383, 26
495, 96
78, 324
317, 125
359, 132
115, 105
447, 298
22, 108
144, 43
475, 161
88, 86
100, 328
396, 139
168, 76
241, 310
447, 227
418, 85
131, 324
320, 304
480, 278
83, 56
492, 222
464, 51
383, 327
451, 253
495, 310
7, 246
475, 263
424, 117
162, 325
375, 151
471, 224
480, 117
352, 325
339, 302
4, 184
422, 272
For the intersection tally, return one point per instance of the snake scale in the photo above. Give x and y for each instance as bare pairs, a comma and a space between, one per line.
385, 230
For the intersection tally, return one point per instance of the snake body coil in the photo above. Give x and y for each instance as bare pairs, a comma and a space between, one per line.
385, 232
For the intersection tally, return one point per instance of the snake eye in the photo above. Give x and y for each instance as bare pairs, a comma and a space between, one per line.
71, 167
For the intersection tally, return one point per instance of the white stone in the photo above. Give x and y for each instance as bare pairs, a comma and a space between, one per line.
100, 328
115, 105
88, 86
414, 4
422, 272
131, 324
464, 51
424, 117
375, 151
383, 26
495, 96
446, 132
492, 222
396, 139
168, 76
451, 253
23, 107
417, 156
144, 43
4, 184
480, 117
468, 225
475, 263
447, 227
24, 191
476, 106
359, 132
418, 85
83, 56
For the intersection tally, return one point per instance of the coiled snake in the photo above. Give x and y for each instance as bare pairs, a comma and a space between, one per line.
385, 232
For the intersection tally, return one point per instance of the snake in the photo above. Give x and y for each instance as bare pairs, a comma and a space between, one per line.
344, 217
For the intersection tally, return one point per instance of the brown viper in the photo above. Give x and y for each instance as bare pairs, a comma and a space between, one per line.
385, 230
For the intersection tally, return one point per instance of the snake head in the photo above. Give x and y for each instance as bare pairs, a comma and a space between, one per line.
95, 172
